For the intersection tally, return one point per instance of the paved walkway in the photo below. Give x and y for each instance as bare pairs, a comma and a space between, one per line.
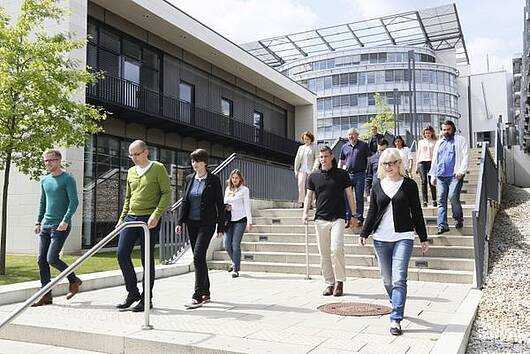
256, 313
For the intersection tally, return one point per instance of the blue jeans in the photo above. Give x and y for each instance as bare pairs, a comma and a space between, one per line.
449, 187
393, 258
357, 180
232, 242
51, 242
126, 242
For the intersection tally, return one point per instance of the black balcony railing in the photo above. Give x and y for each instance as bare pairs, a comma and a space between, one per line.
135, 97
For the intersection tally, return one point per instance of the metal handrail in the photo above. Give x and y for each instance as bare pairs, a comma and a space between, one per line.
147, 272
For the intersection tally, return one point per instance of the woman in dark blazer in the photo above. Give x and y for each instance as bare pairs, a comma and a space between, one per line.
393, 216
202, 210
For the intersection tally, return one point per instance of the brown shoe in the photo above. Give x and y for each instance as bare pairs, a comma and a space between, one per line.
46, 299
328, 290
338, 289
73, 288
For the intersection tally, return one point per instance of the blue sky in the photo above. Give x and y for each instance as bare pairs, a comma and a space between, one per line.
491, 27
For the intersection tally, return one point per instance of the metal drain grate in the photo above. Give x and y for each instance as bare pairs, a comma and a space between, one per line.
355, 309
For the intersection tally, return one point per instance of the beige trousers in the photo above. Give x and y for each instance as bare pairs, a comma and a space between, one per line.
330, 239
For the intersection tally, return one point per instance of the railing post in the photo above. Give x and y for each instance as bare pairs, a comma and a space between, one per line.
147, 277
307, 277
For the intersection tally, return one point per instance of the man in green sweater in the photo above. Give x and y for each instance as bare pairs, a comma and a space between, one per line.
58, 203
147, 196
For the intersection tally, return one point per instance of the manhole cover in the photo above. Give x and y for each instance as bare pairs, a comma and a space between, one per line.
355, 309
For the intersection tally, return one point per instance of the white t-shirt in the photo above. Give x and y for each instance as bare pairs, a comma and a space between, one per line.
240, 202
142, 170
386, 231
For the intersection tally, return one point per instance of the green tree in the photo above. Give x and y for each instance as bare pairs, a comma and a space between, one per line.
383, 120
38, 82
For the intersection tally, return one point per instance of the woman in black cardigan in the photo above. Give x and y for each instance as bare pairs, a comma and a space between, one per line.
393, 216
202, 209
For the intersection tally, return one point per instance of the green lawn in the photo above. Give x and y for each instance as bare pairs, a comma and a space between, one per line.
24, 268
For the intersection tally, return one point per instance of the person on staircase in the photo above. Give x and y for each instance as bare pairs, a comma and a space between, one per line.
406, 154
237, 196
329, 184
58, 204
305, 162
354, 159
393, 216
202, 210
423, 164
449, 166
373, 165
147, 196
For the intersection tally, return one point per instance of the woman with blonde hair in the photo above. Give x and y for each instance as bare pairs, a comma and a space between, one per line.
305, 162
237, 196
423, 163
393, 216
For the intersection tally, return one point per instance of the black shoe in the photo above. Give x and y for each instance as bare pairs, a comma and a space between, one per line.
129, 300
140, 306
435, 204
425, 204
442, 230
230, 269
459, 225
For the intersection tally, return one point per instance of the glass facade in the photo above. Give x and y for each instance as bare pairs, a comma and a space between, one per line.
105, 175
346, 85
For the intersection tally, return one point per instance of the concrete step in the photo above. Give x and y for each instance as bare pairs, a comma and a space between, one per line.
350, 259
436, 240
299, 247
439, 276
431, 230
295, 220
19, 347
297, 212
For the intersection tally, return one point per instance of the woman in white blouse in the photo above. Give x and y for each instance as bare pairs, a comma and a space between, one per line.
423, 163
237, 195
305, 162
405, 153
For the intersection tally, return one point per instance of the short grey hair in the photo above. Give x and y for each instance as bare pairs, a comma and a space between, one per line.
353, 130
56, 152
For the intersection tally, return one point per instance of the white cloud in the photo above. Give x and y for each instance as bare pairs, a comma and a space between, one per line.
248, 20
498, 52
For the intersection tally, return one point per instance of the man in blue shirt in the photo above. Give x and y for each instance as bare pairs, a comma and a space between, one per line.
354, 159
448, 168
371, 171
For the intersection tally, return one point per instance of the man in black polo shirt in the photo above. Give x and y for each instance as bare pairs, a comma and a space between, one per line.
330, 184
354, 159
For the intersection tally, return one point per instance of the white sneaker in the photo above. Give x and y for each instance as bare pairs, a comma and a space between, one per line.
235, 274
395, 328
193, 304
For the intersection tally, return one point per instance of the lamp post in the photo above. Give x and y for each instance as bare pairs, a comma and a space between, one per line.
394, 100
412, 91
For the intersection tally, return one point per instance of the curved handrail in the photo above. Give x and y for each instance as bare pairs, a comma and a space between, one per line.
48, 287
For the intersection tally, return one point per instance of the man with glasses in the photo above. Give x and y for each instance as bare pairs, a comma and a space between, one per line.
58, 203
354, 159
449, 166
147, 196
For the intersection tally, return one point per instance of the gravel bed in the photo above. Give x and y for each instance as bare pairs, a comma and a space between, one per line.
503, 319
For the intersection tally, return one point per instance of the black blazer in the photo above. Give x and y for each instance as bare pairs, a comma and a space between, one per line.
212, 202
406, 207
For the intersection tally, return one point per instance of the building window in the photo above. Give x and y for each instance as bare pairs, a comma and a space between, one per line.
258, 126
371, 99
227, 107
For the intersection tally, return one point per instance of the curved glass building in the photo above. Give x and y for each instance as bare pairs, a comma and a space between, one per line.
400, 57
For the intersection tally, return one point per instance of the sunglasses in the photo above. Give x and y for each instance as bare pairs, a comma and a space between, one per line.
389, 163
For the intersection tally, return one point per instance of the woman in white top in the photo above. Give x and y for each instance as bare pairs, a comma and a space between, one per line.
405, 153
305, 162
237, 196
394, 214
423, 163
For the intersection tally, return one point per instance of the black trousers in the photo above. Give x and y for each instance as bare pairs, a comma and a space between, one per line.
423, 169
200, 236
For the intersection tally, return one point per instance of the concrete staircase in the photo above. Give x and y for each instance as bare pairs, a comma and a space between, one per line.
277, 244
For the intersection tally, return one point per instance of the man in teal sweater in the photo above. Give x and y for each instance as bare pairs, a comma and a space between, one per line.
58, 203
147, 196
